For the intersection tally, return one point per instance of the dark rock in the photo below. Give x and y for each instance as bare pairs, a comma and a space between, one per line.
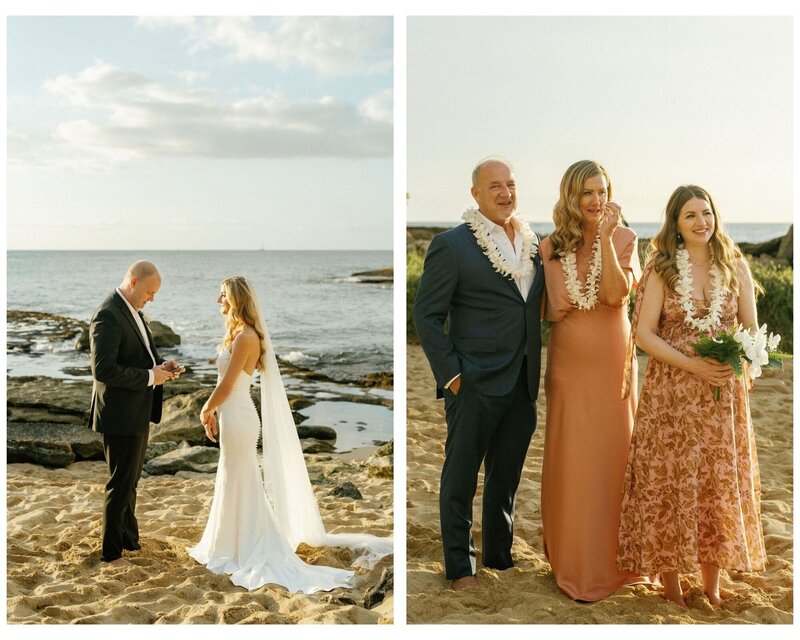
381, 463
78, 371
320, 433
48, 454
379, 379
377, 593
312, 445
786, 249
770, 247
375, 276
82, 343
184, 458
156, 449
43, 399
388, 272
84, 443
181, 419
386, 450
189, 383
298, 403
342, 601
421, 236
27, 327
163, 336
347, 490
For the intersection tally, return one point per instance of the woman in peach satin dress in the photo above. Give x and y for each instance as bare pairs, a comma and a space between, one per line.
590, 264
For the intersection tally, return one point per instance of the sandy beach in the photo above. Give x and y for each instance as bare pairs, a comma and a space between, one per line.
55, 574
527, 593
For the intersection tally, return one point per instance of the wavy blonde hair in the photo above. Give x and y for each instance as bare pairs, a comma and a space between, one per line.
567, 217
243, 313
664, 246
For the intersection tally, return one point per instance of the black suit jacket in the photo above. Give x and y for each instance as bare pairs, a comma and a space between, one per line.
122, 401
490, 326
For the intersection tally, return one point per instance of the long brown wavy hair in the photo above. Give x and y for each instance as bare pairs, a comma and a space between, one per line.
664, 246
567, 217
243, 313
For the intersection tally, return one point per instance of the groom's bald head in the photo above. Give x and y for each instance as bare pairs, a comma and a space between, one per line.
141, 269
141, 283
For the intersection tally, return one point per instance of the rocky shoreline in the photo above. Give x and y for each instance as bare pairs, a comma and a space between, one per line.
47, 416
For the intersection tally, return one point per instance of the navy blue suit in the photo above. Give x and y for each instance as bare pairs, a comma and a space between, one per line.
493, 340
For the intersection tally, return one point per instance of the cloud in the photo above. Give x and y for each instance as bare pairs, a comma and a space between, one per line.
379, 107
333, 45
146, 119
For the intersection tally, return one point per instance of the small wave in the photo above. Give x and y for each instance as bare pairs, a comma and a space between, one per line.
299, 358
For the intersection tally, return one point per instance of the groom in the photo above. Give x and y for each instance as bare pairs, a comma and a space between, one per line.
126, 397
485, 279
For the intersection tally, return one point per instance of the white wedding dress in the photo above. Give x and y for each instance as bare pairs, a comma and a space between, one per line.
242, 536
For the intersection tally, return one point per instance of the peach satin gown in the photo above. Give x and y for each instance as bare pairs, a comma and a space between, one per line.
587, 433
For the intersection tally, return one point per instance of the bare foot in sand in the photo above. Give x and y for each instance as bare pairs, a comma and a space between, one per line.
467, 582
710, 573
672, 588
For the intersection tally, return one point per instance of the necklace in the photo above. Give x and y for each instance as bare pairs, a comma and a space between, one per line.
587, 300
489, 248
684, 290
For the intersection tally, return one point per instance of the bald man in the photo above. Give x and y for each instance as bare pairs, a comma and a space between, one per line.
126, 397
477, 318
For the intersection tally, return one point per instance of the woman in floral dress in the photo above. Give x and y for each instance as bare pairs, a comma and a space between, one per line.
692, 488
590, 264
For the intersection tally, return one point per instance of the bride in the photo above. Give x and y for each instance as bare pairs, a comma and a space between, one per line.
253, 527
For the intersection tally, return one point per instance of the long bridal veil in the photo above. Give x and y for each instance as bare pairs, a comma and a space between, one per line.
286, 480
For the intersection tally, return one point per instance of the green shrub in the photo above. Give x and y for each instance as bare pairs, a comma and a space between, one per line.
414, 261
775, 305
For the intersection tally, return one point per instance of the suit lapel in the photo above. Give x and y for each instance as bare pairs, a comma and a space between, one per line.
538, 279
126, 313
150, 338
485, 260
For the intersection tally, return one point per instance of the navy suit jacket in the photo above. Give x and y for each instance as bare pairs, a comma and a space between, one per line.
490, 327
122, 402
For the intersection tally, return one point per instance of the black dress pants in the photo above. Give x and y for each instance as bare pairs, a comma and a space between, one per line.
495, 431
125, 458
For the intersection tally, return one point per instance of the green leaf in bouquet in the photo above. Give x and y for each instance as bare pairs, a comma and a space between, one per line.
723, 348
776, 359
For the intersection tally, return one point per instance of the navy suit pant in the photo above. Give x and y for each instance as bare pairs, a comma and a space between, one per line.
495, 431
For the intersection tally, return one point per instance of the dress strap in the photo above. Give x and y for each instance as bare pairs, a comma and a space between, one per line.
631, 352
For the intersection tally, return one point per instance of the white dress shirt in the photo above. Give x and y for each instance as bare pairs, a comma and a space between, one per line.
510, 252
139, 323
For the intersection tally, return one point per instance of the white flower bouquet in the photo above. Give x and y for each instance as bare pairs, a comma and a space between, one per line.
759, 350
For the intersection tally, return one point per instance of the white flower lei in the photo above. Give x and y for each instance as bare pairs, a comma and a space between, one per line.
489, 248
569, 264
684, 289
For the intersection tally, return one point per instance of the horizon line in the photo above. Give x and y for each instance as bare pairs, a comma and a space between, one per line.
208, 250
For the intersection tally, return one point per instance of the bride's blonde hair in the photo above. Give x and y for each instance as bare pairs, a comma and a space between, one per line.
243, 313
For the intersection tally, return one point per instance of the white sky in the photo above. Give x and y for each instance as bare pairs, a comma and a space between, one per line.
659, 101
199, 133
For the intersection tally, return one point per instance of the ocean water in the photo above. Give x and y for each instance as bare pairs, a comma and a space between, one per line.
318, 315
739, 232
